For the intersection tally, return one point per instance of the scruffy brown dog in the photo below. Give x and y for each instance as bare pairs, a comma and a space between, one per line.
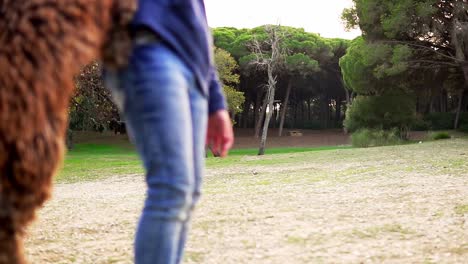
43, 44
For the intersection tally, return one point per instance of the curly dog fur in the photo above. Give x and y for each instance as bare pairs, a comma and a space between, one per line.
43, 45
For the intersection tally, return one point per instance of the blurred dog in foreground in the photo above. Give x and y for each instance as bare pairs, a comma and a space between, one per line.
43, 45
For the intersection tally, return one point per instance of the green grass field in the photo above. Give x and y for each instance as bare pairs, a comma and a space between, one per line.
98, 161
94, 161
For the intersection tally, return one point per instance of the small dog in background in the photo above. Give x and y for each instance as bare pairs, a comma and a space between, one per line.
43, 45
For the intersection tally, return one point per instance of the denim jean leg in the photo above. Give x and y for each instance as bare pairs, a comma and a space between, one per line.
158, 111
199, 110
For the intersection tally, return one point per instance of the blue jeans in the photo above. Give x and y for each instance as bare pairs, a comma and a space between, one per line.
166, 115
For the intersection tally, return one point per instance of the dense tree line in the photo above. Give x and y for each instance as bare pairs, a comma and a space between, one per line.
409, 70
310, 91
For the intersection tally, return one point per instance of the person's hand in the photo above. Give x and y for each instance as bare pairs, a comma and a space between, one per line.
219, 136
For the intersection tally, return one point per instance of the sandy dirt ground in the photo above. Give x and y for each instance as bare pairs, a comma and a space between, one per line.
405, 204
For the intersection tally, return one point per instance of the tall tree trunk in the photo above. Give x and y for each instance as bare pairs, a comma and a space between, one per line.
431, 100
443, 101
417, 103
324, 111
295, 115
347, 93
261, 116
274, 115
245, 115
270, 99
302, 113
338, 110
465, 102
257, 106
284, 108
261, 150
460, 97
459, 107
348, 97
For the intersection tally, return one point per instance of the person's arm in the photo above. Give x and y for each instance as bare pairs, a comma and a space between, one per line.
220, 136
216, 100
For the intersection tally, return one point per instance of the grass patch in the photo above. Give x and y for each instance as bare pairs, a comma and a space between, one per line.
296, 240
374, 232
461, 209
439, 135
254, 152
316, 239
248, 244
461, 250
365, 138
93, 162
197, 257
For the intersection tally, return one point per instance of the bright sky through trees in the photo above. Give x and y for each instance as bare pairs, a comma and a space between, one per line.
318, 16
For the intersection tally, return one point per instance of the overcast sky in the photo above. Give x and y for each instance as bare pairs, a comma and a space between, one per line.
318, 16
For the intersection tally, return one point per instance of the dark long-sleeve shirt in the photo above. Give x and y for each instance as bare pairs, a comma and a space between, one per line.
183, 26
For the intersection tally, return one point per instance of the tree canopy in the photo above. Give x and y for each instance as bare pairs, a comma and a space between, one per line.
411, 47
409, 70
310, 68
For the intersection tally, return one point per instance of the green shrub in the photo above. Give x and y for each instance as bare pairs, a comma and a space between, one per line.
419, 124
439, 135
463, 120
463, 128
364, 138
380, 112
361, 138
444, 121
440, 121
